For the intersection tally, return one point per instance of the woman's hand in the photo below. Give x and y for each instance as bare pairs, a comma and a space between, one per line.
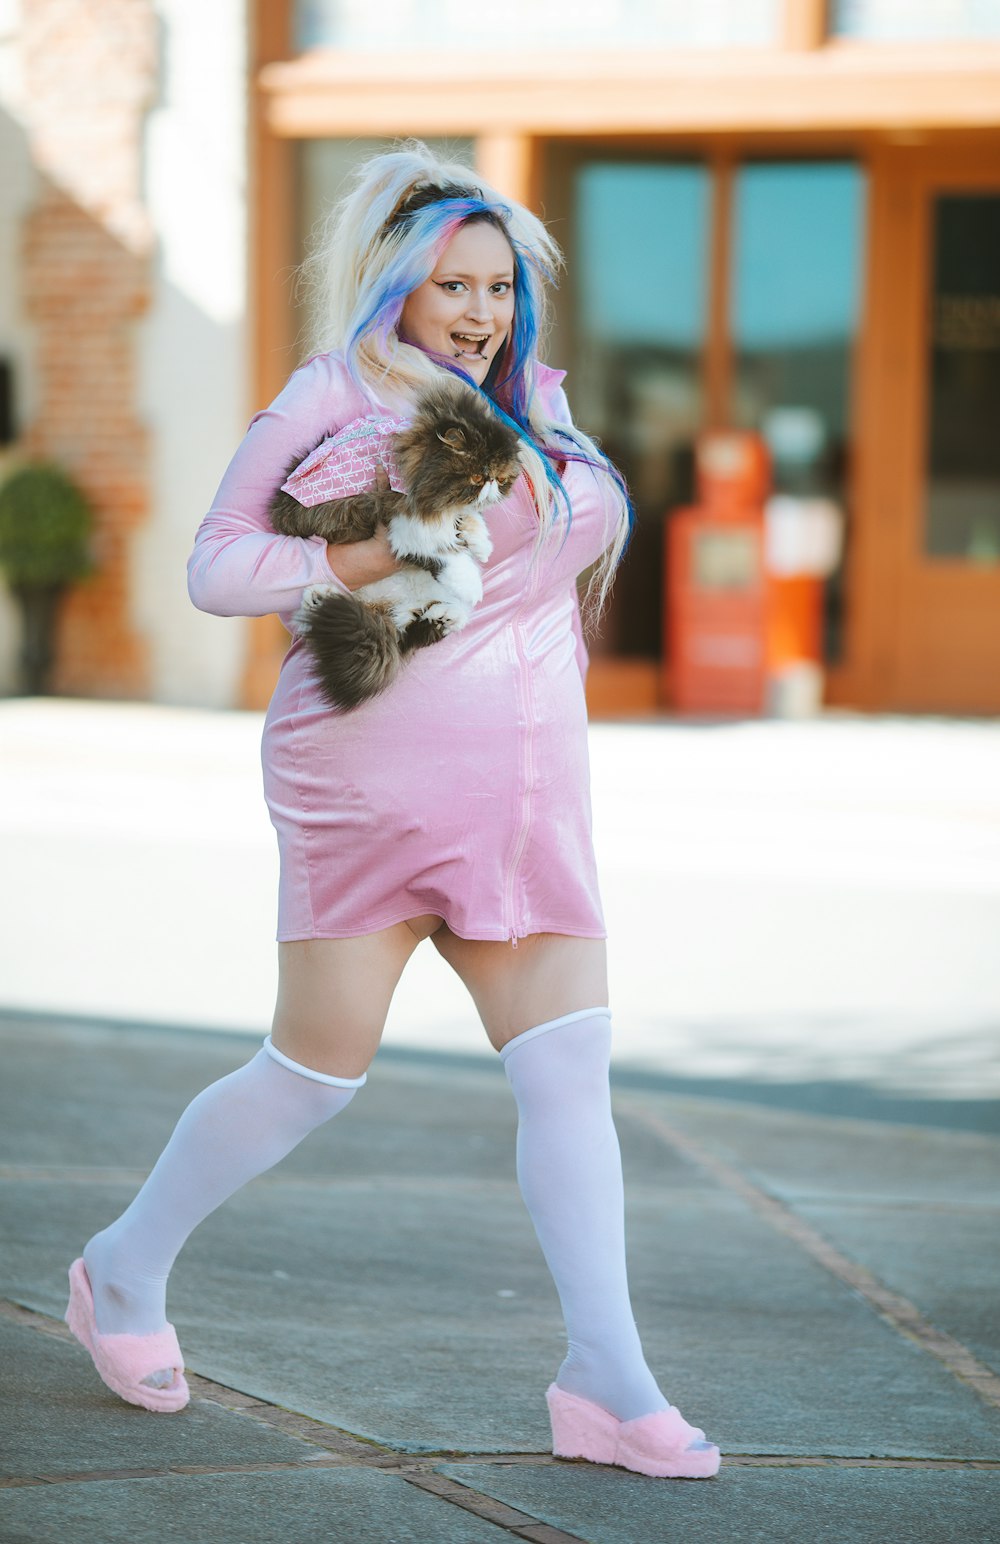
357, 563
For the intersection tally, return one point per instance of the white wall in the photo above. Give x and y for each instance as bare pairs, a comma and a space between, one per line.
194, 344
18, 191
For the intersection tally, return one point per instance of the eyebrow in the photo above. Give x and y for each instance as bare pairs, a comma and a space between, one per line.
506, 273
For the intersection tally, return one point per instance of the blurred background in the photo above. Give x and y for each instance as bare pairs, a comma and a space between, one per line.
781, 318
779, 216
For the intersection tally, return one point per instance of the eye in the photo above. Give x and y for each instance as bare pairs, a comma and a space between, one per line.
476, 479
502, 287
452, 286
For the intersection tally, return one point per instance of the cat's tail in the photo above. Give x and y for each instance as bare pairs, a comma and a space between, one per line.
354, 644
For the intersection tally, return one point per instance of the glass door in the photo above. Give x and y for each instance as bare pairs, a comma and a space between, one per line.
722, 291
795, 295
938, 399
640, 265
962, 458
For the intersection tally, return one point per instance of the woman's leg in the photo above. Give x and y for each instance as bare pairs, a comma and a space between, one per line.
542, 1005
548, 974
333, 998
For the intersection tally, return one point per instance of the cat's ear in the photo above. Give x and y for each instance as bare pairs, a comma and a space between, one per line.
453, 438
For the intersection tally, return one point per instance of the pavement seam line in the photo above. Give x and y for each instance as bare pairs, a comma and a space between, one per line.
414, 1472
520, 1524
337, 1447
290, 1423
28, 1174
892, 1307
344, 1450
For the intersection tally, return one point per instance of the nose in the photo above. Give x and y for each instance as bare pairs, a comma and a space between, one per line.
478, 308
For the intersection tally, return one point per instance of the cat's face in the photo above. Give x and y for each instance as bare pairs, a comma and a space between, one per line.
456, 453
465, 310
479, 464
492, 480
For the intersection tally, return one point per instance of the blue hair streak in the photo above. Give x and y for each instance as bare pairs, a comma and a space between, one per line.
568, 451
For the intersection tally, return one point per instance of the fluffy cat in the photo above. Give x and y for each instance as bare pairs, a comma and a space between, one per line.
446, 464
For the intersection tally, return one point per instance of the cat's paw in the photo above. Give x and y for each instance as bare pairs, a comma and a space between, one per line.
422, 632
447, 615
312, 602
314, 597
461, 580
474, 537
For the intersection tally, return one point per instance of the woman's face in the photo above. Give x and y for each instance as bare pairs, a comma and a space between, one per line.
464, 311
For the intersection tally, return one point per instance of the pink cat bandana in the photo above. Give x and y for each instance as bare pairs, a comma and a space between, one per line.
348, 462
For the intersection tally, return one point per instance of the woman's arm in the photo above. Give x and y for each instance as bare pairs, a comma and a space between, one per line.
239, 567
358, 563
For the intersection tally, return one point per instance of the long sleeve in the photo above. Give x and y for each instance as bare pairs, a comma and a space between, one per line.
239, 567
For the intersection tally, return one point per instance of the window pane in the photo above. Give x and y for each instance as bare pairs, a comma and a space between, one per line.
432, 25
795, 289
323, 168
963, 470
638, 269
795, 300
899, 19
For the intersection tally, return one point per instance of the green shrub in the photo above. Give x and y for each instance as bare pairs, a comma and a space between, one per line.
45, 525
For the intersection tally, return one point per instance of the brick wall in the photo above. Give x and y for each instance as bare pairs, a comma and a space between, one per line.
89, 76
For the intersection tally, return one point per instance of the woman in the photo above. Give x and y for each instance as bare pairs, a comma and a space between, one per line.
455, 806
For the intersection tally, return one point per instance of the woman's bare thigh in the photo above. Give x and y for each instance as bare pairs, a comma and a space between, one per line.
547, 975
334, 994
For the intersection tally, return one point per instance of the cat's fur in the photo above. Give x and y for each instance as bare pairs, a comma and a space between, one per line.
455, 459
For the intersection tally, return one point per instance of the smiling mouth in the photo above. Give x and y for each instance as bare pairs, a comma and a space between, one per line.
470, 344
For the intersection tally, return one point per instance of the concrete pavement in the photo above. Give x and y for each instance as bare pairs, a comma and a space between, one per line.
806, 983
372, 1327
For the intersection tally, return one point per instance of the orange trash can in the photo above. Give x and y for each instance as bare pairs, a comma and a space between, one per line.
716, 592
803, 538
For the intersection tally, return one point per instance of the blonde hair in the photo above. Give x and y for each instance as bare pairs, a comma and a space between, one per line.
369, 253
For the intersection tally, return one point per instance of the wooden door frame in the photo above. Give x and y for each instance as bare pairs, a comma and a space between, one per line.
887, 573
271, 219
722, 155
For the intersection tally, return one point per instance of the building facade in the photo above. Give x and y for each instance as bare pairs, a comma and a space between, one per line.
782, 215
124, 317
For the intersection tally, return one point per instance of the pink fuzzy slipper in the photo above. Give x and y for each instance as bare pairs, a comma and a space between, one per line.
660, 1444
124, 1360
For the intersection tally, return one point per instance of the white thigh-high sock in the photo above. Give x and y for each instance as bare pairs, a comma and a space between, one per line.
570, 1174
234, 1130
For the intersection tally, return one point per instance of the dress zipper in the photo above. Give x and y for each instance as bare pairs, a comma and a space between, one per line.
527, 769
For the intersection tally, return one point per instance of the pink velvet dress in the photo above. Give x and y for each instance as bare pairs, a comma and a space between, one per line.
463, 790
